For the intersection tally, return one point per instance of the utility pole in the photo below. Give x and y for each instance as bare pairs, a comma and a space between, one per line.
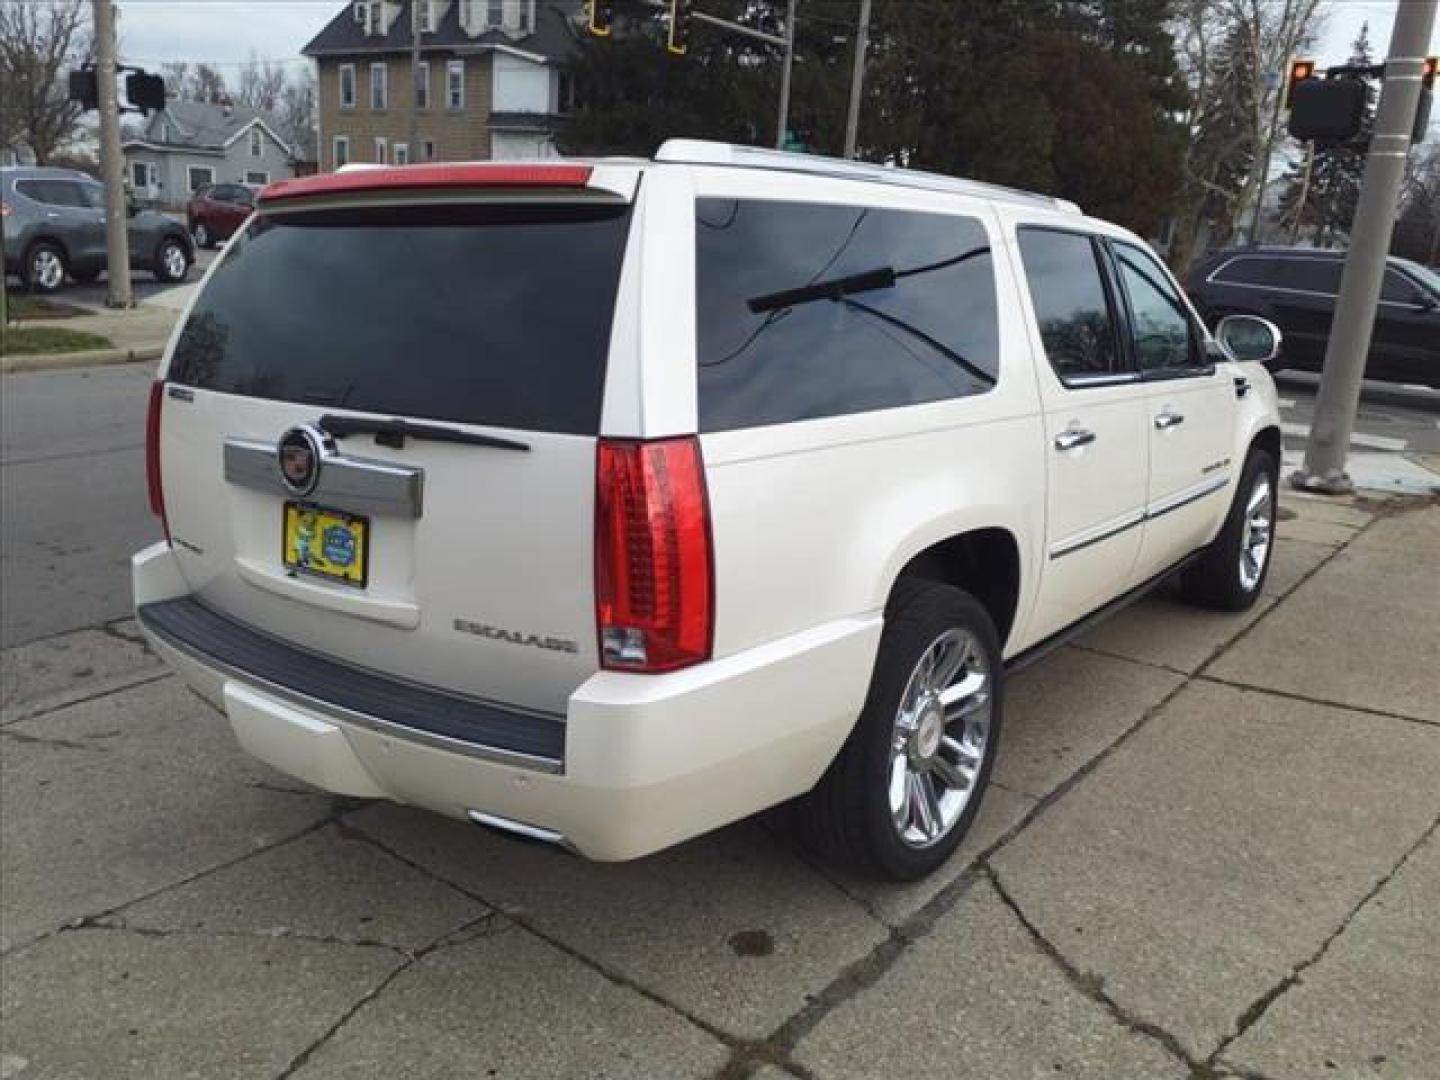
1349, 344
857, 79
112, 165
412, 147
784, 125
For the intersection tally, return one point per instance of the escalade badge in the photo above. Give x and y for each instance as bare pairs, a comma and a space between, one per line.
299, 455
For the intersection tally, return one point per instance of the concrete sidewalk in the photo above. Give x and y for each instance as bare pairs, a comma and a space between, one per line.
1211, 852
137, 334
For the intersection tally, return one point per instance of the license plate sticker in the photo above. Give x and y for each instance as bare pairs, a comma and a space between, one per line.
326, 543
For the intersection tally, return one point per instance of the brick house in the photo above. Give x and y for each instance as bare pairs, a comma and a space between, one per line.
492, 80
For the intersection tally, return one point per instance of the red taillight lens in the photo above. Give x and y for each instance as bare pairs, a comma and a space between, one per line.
654, 585
152, 455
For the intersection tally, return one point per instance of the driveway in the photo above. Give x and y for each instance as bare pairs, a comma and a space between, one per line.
1211, 850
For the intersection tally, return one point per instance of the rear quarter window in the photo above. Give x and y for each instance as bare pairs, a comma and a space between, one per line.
485, 315
810, 310
1246, 270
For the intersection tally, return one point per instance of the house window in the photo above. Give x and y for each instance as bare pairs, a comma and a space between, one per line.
360, 13
341, 150
526, 16
256, 176
423, 17
382, 151
402, 153
494, 13
422, 85
347, 86
427, 150
455, 84
257, 143
379, 86
142, 175
198, 176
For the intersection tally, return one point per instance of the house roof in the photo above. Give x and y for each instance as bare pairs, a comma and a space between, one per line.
196, 125
552, 39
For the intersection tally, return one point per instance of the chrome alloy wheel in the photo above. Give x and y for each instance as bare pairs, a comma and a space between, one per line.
47, 269
173, 259
1256, 529
942, 733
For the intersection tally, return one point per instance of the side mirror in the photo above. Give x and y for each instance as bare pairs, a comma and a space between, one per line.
1250, 338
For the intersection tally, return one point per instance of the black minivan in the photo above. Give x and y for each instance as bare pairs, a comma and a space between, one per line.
1295, 288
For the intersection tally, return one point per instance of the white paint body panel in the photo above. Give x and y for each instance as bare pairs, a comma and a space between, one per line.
812, 523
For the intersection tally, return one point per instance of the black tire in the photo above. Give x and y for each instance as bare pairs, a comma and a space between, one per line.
1218, 579
42, 280
847, 816
171, 250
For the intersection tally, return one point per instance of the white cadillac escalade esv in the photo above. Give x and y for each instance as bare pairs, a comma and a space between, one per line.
608, 502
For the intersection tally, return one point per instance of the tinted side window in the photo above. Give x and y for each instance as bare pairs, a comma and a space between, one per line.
1311, 275
1398, 289
1159, 325
1247, 270
1070, 302
52, 192
808, 310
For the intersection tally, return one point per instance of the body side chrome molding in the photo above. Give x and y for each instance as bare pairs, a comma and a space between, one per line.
356, 484
1156, 509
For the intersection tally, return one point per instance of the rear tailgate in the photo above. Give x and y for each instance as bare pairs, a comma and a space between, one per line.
443, 298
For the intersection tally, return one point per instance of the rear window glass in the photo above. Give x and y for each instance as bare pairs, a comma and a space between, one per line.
809, 310
482, 315
1247, 271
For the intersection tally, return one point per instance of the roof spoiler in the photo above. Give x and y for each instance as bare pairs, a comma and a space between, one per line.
429, 178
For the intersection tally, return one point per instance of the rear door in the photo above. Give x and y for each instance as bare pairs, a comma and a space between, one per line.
1190, 412
1095, 428
70, 215
1406, 341
1304, 303
461, 560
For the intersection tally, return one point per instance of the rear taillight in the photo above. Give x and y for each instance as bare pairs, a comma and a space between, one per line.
654, 583
152, 455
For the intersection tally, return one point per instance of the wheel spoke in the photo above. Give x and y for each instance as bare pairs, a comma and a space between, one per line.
926, 805
1258, 497
899, 788
972, 684
950, 774
954, 656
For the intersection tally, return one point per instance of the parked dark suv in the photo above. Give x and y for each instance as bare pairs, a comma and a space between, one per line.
54, 221
1295, 288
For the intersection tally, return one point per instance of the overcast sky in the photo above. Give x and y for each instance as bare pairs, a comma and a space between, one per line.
226, 31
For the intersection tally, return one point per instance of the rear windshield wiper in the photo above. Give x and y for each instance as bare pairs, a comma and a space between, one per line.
393, 433
834, 289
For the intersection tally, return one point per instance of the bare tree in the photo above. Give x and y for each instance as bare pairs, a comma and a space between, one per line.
297, 104
39, 40
208, 85
177, 79
261, 84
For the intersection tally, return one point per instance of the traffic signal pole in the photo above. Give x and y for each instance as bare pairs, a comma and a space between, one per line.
857, 79
783, 126
1329, 443
112, 165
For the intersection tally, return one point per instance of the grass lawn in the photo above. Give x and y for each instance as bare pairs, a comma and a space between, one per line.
33, 340
21, 306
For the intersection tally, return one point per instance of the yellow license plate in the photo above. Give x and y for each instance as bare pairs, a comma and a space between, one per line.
327, 543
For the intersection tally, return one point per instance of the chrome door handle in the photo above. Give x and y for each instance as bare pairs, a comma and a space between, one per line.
1168, 419
1071, 438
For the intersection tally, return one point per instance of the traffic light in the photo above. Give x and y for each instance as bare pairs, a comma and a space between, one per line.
678, 40
1300, 70
1427, 96
85, 88
146, 92
601, 13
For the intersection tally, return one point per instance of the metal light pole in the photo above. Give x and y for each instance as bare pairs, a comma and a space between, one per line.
1325, 453
784, 124
857, 79
112, 165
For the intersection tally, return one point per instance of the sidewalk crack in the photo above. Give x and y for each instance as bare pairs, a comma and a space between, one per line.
1258, 1008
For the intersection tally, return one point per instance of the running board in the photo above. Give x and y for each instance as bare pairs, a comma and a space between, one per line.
1020, 661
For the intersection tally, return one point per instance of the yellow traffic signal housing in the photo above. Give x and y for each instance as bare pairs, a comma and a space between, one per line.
600, 14
677, 40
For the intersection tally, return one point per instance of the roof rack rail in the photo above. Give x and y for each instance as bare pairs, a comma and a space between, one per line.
702, 152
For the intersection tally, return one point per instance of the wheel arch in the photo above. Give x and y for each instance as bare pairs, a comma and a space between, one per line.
985, 562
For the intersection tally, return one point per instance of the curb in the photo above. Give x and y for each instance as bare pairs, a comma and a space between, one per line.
1379, 393
10, 365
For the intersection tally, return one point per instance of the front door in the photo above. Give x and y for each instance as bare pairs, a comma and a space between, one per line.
1190, 413
1095, 429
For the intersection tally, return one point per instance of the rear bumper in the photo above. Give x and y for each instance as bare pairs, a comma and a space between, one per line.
643, 761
